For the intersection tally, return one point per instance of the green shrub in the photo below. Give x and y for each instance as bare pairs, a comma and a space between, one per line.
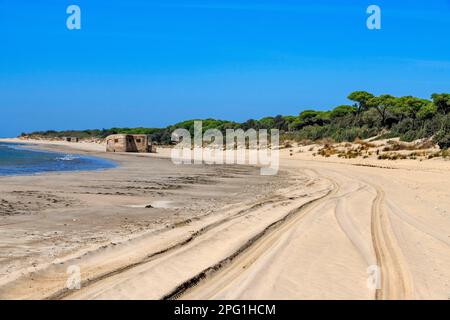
442, 139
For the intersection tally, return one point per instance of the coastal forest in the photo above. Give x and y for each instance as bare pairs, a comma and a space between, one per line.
366, 116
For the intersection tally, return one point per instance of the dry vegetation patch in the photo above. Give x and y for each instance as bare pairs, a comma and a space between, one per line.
381, 150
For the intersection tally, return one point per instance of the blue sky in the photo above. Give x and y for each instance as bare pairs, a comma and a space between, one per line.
152, 63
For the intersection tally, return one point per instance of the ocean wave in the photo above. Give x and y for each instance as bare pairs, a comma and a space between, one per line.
68, 157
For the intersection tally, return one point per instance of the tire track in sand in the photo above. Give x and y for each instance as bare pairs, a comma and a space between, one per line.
278, 199
230, 267
396, 282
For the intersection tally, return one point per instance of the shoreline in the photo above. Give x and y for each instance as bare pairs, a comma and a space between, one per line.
87, 148
102, 162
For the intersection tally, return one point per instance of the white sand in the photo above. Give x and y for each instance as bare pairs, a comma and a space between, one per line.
343, 216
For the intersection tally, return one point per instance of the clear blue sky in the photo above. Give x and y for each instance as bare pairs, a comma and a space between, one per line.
152, 63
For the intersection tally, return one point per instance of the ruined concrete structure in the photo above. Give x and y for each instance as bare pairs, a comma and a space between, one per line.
128, 143
71, 139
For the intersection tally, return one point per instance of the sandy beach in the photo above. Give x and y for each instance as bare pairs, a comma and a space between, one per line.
152, 230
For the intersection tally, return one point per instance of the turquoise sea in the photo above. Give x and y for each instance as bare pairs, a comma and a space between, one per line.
15, 159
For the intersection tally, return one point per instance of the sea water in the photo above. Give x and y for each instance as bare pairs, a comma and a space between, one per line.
16, 159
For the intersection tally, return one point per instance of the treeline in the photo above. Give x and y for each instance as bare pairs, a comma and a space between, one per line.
368, 116
385, 116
